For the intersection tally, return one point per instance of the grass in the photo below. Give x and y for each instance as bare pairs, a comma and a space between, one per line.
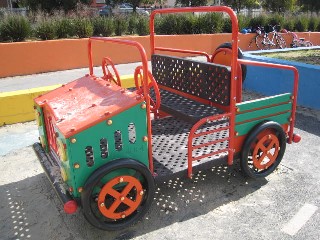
304, 56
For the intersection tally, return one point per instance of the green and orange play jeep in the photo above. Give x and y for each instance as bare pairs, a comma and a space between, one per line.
104, 147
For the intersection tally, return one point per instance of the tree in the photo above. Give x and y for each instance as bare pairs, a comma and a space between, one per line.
134, 3
310, 5
50, 5
239, 4
280, 6
191, 3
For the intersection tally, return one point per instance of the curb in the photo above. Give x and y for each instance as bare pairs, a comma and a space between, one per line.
17, 106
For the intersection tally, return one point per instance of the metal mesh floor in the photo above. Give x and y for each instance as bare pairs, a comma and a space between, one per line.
170, 141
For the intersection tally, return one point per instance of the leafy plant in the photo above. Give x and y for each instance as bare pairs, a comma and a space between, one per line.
143, 26
64, 28
132, 23
210, 23
103, 26
302, 23
83, 27
313, 23
121, 25
15, 28
45, 30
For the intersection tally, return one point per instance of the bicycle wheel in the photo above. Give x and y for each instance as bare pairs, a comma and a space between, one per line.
261, 42
281, 43
307, 44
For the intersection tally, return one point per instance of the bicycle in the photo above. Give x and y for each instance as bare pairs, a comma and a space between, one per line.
264, 42
299, 42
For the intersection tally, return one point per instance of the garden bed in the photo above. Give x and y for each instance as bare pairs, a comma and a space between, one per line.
309, 56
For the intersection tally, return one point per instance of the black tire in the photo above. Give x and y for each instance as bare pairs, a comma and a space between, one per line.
91, 194
240, 56
261, 134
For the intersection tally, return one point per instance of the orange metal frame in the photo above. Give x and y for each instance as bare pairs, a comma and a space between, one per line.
234, 66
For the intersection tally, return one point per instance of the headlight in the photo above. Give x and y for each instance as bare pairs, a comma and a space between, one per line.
61, 150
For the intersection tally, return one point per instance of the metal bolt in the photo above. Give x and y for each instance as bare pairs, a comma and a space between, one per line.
122, 198
121, 179
102, 205
236, 133
109, 122
145, 138
238, 109
73, 140
76, 165
70, 189
141, 192
80, 189
143, 106
123, 215
269, 136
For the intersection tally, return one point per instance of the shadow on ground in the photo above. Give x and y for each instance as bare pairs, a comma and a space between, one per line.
30, 209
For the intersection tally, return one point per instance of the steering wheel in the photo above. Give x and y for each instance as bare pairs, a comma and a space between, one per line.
138, 80
110, 75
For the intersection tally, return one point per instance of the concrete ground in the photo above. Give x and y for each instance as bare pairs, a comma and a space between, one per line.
217, 204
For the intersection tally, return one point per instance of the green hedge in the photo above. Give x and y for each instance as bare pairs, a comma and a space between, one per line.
19, 28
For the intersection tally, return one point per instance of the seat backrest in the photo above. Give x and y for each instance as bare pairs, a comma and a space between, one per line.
201, 79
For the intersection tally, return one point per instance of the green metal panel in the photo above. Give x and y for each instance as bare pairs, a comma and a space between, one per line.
91, 137
244, 128
258, 103
263, 112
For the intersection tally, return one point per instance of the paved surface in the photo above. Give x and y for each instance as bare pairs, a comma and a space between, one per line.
217, 204
46, 79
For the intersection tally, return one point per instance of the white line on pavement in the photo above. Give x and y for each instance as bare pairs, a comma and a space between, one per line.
298, 220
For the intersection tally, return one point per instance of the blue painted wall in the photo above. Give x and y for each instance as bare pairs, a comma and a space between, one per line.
270, 81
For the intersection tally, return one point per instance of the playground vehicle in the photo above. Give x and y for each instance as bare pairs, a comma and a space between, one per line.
104, 147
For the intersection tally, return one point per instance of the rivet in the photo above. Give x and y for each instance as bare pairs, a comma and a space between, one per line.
106, 113
80, 189
102, 205
236, 133
292, 97
290, 119
73, 140
238, 109
72, 129
145, 138
143, 106
123, 215
109, 122
70, 189
121, 179
141, 192
269, 136
76, 165
122, 198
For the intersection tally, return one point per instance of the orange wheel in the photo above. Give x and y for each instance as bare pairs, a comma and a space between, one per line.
123, 202
263, 150
117, 194
110, 72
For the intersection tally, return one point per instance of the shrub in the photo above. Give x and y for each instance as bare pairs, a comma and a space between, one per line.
227, 26
186, 24
289, 24
103, 26
168, 24
45, 30
210, 23
83, 28
313, 24
15, 28
301, 23
259, 21
276, 19
132, 23
64, 28
244, 22
143, 26
121, 25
